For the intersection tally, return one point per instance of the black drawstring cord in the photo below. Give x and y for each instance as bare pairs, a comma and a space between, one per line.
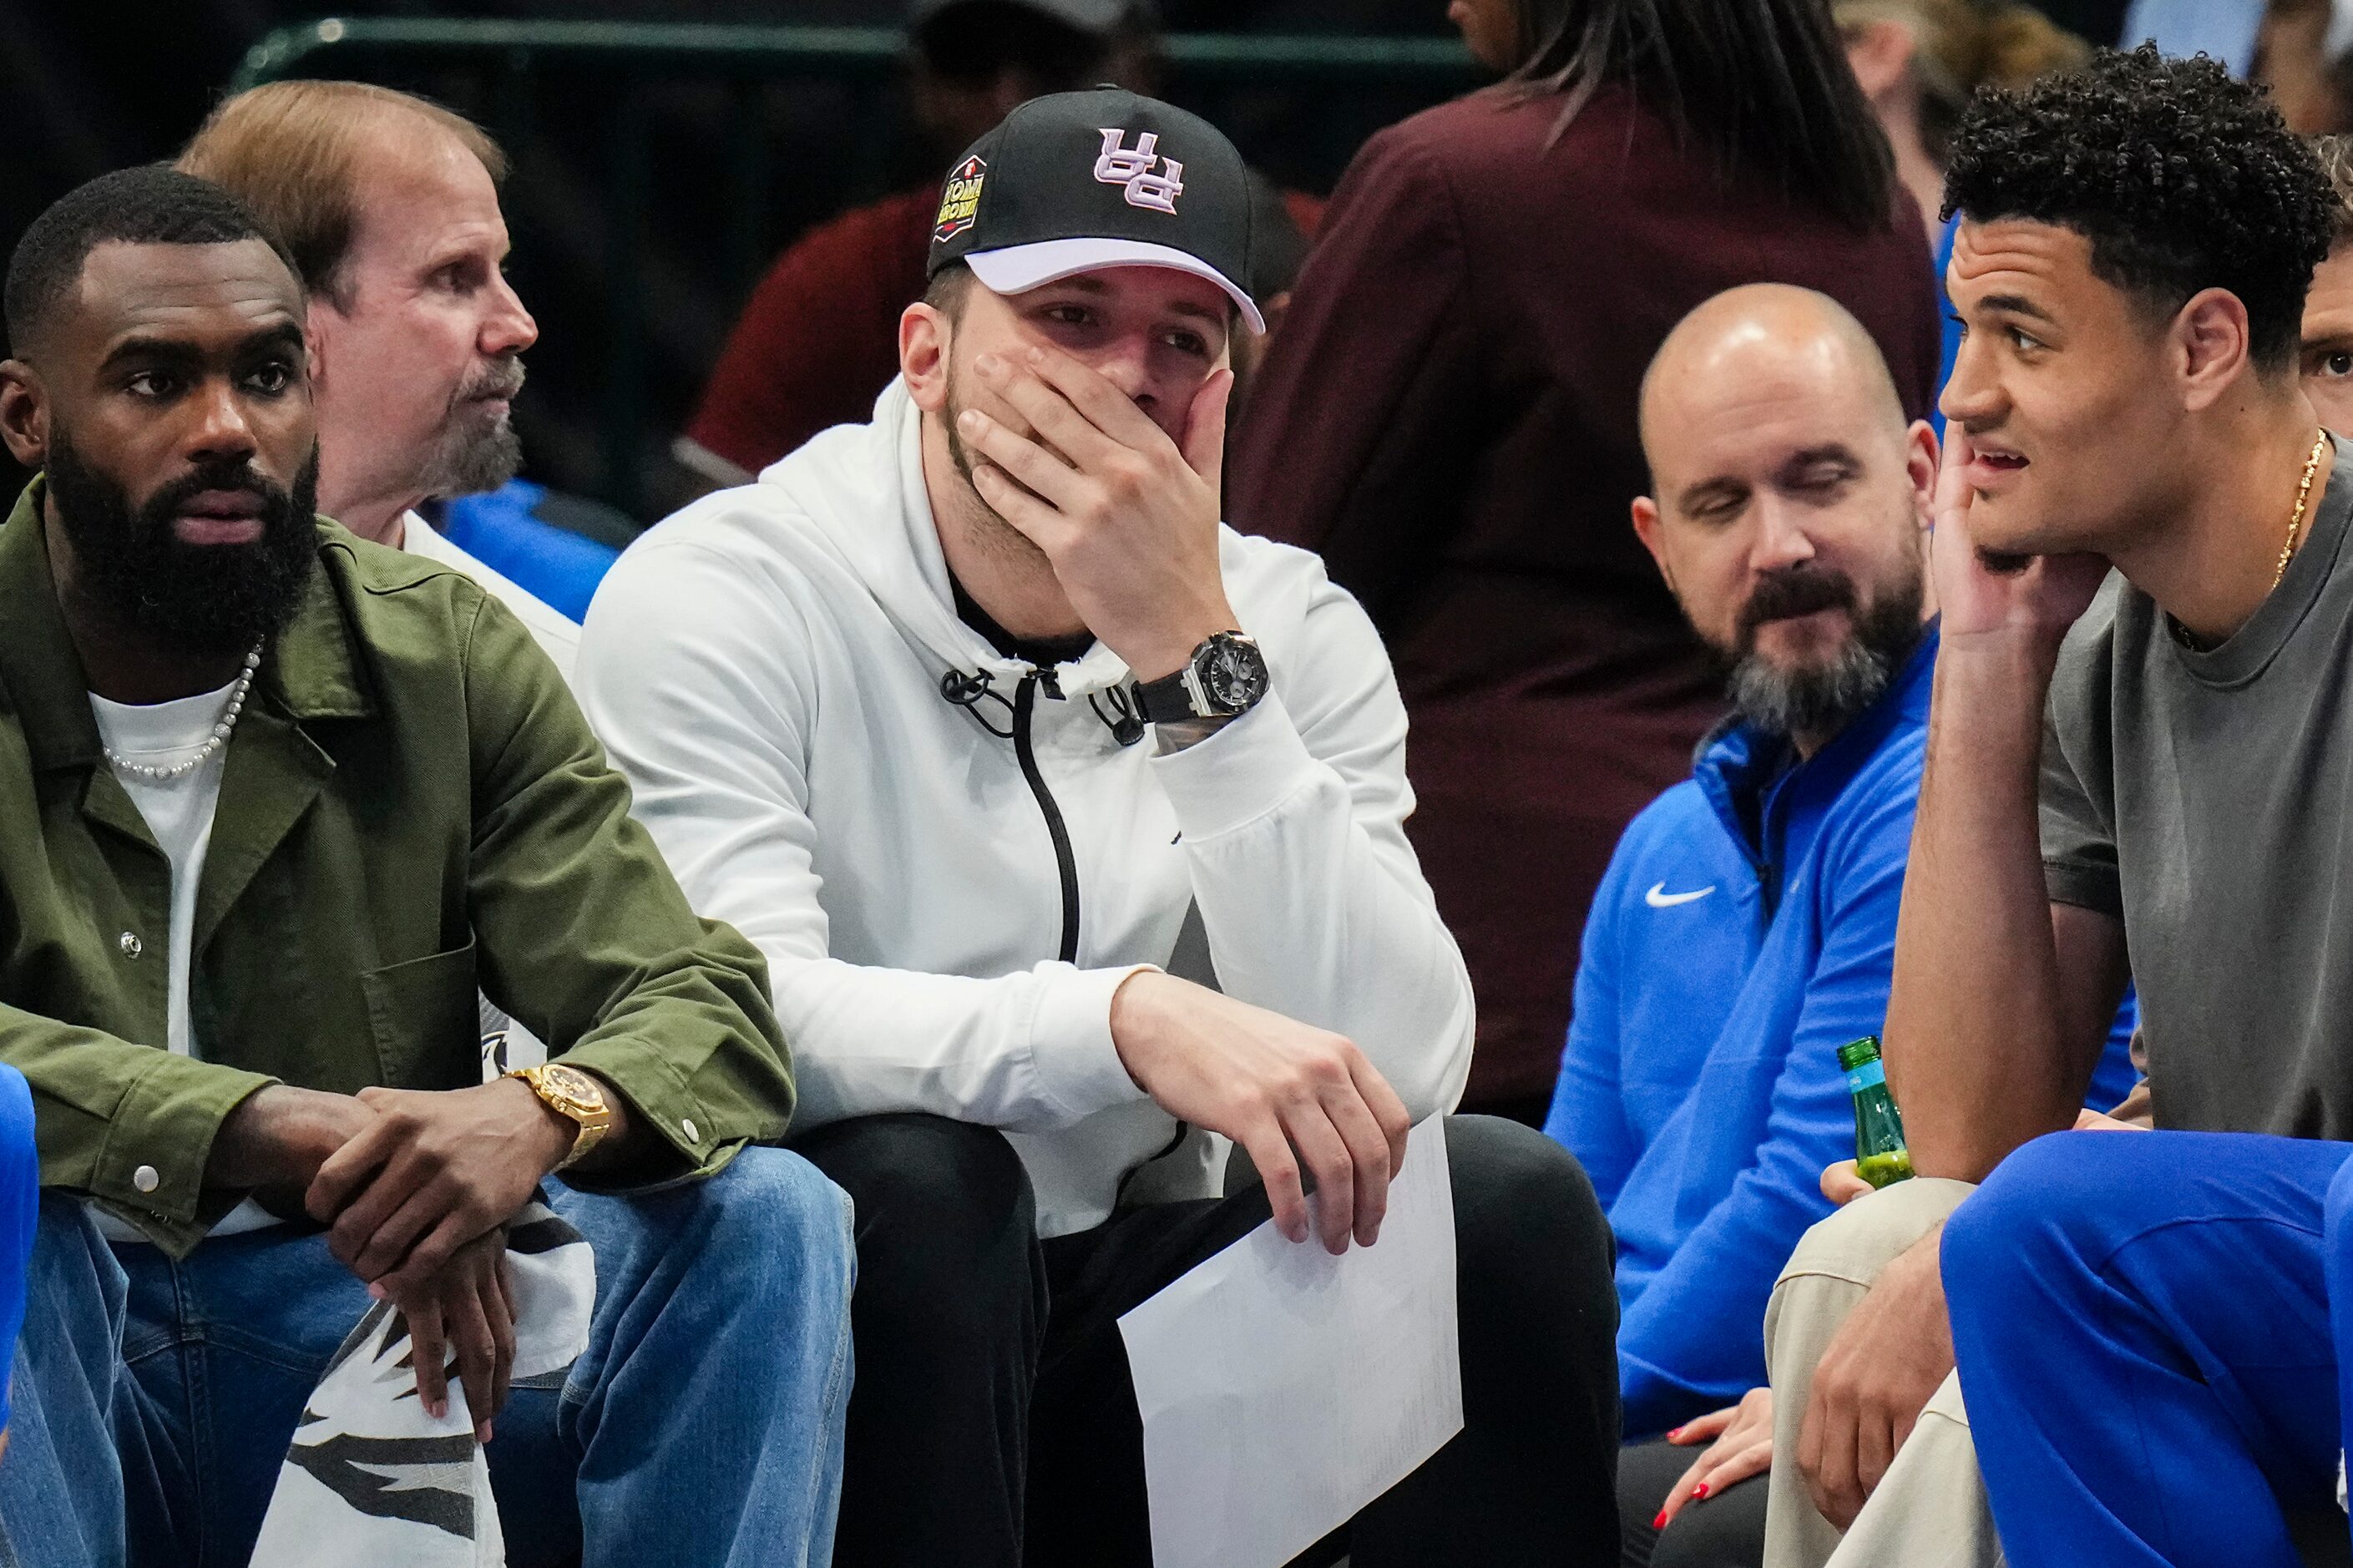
1125, 723
966, 692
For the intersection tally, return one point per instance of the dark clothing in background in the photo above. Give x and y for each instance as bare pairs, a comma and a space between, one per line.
991, 1370
818, 340
819, 337
1448, 414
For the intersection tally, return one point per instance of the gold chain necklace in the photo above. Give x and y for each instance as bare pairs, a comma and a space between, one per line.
2303, 497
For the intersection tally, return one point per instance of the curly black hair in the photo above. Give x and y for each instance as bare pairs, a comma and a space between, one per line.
2181, 177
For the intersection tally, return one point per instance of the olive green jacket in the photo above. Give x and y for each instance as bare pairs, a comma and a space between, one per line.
411, 807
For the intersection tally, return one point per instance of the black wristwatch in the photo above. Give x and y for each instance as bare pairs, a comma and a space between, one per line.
1224, 677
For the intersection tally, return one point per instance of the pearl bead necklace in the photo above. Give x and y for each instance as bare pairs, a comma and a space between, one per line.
213, 742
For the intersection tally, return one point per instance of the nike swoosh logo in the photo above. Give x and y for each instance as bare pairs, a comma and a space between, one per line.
1658, 897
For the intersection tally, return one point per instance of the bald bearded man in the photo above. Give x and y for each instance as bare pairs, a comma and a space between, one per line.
1747, 926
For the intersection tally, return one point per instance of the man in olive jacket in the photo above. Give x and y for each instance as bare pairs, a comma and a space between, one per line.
274, 803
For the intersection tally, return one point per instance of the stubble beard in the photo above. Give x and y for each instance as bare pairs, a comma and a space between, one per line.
982, 525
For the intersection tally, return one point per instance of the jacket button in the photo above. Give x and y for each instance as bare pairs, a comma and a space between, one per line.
146, 1179
130, 943
686, 1125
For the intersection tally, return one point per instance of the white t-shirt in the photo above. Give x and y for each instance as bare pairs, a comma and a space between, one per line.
179, 814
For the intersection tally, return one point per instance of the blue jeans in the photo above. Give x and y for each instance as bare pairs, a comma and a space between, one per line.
703, 1426
2143, 1327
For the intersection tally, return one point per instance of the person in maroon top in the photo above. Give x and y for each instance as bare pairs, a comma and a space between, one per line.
818, 340
1447, 414
819, 337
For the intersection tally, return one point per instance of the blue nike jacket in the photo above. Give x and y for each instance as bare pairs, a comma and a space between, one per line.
1744, 931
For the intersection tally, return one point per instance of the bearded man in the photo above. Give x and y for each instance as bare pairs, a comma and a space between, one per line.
1747, 926
274, 803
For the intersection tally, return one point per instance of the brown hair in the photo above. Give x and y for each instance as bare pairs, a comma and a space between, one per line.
1963, 44
291, 150
2337, 161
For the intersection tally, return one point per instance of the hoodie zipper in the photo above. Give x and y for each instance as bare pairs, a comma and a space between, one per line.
1025, 702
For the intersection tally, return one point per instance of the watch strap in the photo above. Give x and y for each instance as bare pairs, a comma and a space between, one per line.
1167, 698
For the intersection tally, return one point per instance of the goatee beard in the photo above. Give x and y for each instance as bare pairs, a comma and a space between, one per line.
197, 599
476, 452
1821, 699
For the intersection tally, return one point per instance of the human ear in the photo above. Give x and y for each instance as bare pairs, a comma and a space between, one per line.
315, 332
2211, 345
923, 338
24, 413
1921, 453
1880, 53
1649, 530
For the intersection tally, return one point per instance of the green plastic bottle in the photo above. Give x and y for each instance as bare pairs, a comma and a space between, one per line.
1880, 1156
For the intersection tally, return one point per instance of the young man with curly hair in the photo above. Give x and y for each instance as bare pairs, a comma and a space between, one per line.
2138, 743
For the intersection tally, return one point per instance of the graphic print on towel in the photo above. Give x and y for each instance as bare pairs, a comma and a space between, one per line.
370, 1477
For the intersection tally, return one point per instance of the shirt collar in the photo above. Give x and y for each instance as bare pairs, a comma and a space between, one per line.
311, 671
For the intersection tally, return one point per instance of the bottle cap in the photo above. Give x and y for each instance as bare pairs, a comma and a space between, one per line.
1854, 1052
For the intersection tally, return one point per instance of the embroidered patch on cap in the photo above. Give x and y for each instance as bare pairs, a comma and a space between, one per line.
1132, 167
959, 200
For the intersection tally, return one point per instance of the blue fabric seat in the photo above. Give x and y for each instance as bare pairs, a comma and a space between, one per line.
503, 531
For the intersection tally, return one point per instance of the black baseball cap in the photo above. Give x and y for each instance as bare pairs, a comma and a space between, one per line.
1075, 182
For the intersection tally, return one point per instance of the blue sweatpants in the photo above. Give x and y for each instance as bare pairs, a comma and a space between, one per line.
2142, 1322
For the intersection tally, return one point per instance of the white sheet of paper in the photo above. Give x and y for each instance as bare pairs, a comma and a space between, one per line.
1282, 1388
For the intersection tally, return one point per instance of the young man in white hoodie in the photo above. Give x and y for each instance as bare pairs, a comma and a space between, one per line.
1071, 823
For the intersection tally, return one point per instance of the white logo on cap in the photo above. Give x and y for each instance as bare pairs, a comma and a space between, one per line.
1132, 167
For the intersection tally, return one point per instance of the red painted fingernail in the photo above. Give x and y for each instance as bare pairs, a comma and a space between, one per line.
1660, 1523
1699, 1491
1675, 1433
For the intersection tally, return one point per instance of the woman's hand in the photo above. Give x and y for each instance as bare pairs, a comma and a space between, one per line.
1742, 1447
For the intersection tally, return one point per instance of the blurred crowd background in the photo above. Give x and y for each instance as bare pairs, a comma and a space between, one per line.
651, 191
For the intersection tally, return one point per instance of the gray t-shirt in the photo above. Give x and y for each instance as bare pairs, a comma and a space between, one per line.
2207, 798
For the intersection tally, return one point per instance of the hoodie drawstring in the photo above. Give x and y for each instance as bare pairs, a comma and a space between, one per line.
1125, 724
968, 691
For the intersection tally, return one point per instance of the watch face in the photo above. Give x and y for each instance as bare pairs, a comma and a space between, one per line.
1233, 673
573, 1085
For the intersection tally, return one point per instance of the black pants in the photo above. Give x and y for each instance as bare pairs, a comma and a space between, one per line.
993, 1391
1723, 1531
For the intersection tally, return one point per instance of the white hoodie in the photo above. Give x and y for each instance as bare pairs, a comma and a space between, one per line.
767, 668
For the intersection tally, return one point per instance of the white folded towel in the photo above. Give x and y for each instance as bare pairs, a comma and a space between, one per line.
370, 1478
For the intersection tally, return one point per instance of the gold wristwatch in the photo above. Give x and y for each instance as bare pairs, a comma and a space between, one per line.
570, 1092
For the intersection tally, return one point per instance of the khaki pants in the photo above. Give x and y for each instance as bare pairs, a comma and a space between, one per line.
1930, 1510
